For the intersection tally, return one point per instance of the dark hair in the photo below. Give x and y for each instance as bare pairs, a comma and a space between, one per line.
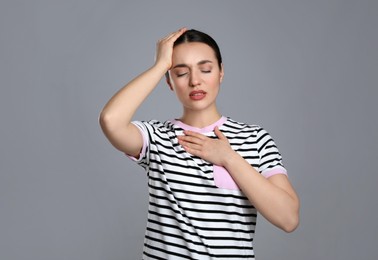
197, 36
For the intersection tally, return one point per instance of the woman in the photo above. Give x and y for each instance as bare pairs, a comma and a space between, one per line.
208, 175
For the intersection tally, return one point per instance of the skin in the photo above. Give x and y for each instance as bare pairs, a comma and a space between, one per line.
194, 67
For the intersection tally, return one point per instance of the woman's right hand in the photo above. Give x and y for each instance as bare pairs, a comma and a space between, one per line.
164, 48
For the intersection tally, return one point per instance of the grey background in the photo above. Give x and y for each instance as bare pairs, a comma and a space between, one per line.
304, 70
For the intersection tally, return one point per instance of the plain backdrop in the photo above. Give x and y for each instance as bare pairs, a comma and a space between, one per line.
307, 71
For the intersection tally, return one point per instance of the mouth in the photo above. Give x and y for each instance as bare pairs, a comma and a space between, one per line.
197, 94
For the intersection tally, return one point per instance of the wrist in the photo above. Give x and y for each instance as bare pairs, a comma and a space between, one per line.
162, 66
231, 159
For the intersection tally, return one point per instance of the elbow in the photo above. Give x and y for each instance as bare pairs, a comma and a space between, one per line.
287, 224
290, 225
103, 120
107, 121
291, 222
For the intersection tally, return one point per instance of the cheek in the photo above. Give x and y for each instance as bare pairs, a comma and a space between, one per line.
214, 82
180, 86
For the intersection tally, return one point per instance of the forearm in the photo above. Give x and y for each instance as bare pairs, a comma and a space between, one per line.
279, 205
122, 106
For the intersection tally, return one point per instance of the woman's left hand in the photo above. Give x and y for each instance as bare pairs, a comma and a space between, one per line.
215, 151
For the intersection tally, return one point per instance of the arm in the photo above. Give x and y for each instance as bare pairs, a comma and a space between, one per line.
115, 117
274, 197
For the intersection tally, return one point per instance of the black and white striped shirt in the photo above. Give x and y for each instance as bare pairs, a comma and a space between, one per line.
196, 210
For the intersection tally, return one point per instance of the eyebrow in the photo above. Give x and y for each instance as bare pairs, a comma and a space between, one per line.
182, 65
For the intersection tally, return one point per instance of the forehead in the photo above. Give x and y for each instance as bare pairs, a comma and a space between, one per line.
192, 52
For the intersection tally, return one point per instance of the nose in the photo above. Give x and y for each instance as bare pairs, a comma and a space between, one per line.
195, 79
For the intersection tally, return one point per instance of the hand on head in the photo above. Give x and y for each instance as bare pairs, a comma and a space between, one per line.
164, 48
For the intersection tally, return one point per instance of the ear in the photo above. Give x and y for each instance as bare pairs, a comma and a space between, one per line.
168, 80
221, 73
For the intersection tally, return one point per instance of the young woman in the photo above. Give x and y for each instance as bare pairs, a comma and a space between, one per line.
208, 175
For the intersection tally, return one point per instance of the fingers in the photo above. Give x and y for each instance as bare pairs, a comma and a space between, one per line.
219, 134
210, 149
177, 33
164, 48
192, 151
190, 140
197, 137
174, 35
194, 134
190, 145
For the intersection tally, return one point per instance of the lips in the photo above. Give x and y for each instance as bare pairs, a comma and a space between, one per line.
197, 94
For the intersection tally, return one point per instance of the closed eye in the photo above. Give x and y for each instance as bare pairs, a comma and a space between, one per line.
181, 74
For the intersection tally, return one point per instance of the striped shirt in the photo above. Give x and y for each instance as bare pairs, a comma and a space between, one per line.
196, 210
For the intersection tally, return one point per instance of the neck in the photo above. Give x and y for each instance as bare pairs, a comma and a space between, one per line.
200, 119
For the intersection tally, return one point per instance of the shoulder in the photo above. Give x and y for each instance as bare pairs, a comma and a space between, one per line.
155, 126
234, 126
155, 123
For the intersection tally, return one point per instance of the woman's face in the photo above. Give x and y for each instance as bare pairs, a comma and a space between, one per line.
195, 75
